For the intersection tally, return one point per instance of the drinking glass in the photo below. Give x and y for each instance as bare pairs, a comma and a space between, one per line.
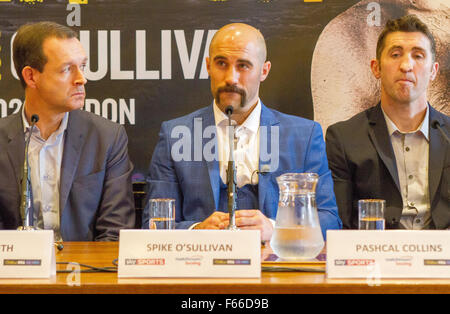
162, 213
371, 214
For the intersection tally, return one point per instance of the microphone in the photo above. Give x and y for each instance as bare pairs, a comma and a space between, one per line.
59, 246
436, 125
392, 215
34, 119
231, 174
229, 111
265, 169
26, 208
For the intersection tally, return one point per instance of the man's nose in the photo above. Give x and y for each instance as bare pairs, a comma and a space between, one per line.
80, 79
406, 64
232, 76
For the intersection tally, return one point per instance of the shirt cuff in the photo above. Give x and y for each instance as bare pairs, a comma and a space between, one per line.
193, 226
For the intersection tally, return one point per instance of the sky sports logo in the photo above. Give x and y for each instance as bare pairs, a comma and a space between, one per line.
354, 262
145, 261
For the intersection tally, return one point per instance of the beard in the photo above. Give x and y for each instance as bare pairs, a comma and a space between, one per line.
231, 89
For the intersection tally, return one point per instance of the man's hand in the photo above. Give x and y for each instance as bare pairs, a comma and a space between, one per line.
246, 219
218, 220
254, 219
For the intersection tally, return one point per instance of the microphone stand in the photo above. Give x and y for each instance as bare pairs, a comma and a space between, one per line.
231, 174
26, 208
436, 125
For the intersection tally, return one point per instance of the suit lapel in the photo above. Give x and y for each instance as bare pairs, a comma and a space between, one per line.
379, 135
74, 139
437, 149
267, 121
16, 147
207, 119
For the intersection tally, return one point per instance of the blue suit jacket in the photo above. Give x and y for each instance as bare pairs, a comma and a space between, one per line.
96, 198
195, 182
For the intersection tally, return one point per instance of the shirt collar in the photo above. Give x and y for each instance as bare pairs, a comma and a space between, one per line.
252, 122
61, 129
423, 127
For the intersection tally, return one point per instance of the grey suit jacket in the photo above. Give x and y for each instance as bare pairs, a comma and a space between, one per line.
96, 198
362, 161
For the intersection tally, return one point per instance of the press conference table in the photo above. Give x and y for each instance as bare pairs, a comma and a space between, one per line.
102, 255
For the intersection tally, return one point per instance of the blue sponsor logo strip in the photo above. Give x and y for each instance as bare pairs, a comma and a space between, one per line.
217, 261
436, 262
22, 262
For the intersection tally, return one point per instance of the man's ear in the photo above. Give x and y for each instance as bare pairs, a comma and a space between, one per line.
375, 67
208, 66
434, 70
30, 76
265, 70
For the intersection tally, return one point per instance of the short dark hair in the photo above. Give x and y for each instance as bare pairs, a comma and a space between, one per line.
27, 45
408, 23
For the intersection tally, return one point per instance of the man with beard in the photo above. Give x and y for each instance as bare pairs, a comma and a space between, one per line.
190, 161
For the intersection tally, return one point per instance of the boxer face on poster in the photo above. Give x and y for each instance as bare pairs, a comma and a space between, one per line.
236, 66
342, 84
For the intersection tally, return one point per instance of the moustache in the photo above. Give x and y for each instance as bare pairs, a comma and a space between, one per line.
231, 89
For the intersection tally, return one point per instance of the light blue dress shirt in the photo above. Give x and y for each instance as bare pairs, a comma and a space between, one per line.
45, 158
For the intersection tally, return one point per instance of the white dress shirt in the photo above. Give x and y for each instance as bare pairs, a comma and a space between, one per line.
411, 154
45, 158
246, 146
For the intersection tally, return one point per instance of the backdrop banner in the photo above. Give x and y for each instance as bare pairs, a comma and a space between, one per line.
147, 57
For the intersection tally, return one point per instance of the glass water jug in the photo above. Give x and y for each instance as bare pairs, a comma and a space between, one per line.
297, 234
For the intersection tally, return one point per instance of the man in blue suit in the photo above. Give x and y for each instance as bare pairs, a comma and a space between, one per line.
190, 159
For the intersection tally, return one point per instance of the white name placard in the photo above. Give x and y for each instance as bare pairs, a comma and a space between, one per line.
27, 254
388, 254
189, 253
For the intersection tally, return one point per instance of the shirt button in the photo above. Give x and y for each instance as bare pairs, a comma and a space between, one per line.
417, 221
407, 149
410, 176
